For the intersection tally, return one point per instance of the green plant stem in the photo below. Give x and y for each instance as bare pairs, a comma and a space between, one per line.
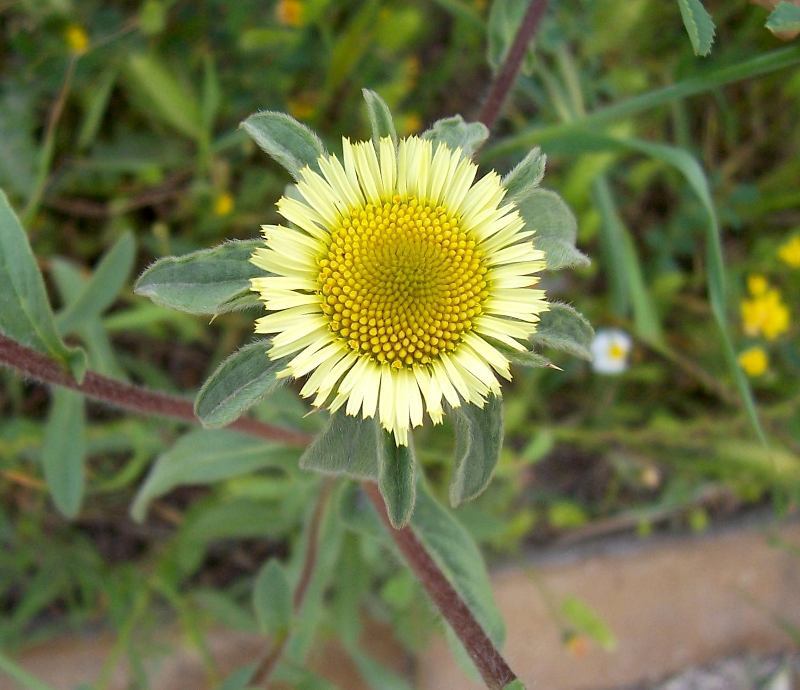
491, 664
270, 660
709, 80
504, 80
493, 668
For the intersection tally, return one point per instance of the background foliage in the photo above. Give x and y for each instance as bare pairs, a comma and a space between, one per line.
119, 145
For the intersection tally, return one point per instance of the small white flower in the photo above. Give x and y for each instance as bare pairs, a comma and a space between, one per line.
610, 350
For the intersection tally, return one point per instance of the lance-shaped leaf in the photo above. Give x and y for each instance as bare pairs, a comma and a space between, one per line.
380, 117
458, 556
64, 451
272, 599
209, 281
479, 438
526, 175
556, 228
242, 380
25, 313
101, 290
348, 445
456, 133
286, 140
396, 466
204, 456
563, 328
699, 25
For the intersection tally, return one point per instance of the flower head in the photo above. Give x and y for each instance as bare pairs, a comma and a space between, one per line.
754, 361
290, 13
77, 39
789, 252
223, 204
610, 350
764, 313
396, 282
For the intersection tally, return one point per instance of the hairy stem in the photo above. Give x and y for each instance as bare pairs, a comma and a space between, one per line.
129, 397
505, 78
270, 660
493, 668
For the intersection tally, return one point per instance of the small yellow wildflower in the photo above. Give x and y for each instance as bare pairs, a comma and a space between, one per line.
77, 39
754, 361
765, 314
301, 107
789, 252
223, 204
757, 284
290, 13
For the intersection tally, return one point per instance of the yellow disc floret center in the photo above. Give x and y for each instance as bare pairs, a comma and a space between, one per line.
402, 281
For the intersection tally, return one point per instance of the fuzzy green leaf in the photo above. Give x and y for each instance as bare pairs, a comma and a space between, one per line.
699, 25
101, 290
528, 359
272, 599
204, 456
350, 446
556, 228
209, 281
563, 328
286, 140
64, 451
459, 558
242, 380
396, 467
25, 312
479, 438
380, 117
456, 133
785, 17
526, 175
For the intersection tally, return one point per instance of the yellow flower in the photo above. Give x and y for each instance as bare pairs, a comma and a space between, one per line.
77, 39
757, 284
754, 361
397, 274
223, 204
290, 13
789, 252
765, 314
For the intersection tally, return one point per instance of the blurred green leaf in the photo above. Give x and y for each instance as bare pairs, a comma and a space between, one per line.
374, 673
25, 312
242, 380
456, 133
396, 467
563, 328
505, 17
101, 291
584, 619
17, 146
20, 675
526, 175
152, 17
161, 95
207, 456
64, 451
785, 17
479, 439
380, 117
527, 359
285, 140
272, 599
349, 446
95, 104
699, 25
556, 228
208, 281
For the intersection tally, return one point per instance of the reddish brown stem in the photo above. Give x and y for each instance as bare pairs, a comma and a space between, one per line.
505, 78
129, 397
490, 663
